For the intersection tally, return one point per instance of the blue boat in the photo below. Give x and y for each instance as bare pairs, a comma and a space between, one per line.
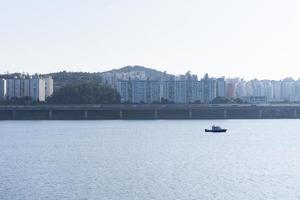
216, 129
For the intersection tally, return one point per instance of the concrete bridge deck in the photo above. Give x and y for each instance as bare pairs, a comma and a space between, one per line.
149, 111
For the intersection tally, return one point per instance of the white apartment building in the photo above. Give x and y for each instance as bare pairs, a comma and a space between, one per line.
17, 88
11, 88
221, 87
25, 87
48, 86
3, 89
35, 87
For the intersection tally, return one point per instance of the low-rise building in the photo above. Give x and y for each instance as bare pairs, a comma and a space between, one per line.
255, 99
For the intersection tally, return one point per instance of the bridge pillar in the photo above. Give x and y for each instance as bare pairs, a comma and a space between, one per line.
121, 114
190, 113
155, 114
85, 114
260, 113
50, 114
14, 114
225, 114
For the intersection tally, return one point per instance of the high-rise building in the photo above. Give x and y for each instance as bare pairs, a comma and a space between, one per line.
124, 90
276, 90
268, 90
180, 92
230, 89
139, 91
196, 92
241, 89
287, 89
153, 91
17, 88
169, 90
221, 87
11, 88
48, 86
297, 91
187, 89
25, 87
257, 88
3, 89
209, 89
37, 89
182, 89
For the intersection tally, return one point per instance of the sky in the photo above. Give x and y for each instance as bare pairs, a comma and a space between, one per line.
232, 38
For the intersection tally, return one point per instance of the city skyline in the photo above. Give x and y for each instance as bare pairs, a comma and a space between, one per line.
231, 38
200, 75
189, 89
143, 85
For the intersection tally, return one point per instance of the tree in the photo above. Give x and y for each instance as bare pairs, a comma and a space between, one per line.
221, 100
225, 100
238, 101
18, 101
166, 101
85, 93
197, 102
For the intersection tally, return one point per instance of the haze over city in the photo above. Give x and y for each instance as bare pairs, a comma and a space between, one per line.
250, 39
150, 99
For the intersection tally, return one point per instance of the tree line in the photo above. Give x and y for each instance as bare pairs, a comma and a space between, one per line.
86, 92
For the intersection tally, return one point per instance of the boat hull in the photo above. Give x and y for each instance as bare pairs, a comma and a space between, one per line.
216, 131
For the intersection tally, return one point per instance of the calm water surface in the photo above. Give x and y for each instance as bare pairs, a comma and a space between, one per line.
116, 160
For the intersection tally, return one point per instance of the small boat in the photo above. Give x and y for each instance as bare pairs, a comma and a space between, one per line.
216, 129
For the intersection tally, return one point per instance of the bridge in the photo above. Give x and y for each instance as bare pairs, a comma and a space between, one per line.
150, 111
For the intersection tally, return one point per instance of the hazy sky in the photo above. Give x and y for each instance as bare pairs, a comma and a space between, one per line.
246, 38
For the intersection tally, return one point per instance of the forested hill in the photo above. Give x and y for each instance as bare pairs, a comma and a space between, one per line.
64, 78
149, 72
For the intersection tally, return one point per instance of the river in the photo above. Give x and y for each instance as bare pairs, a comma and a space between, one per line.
137, 160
